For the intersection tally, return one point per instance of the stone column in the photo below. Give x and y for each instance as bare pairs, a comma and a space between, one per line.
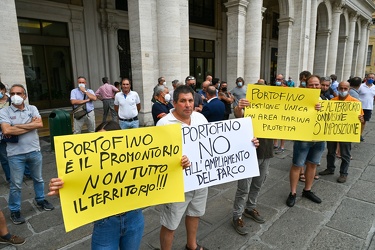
11, 66
113, 56
184, 42
169, 39
350, 47
334, 38
236, 39
284, 45
355, 57
141, 19
321, 52
360, 71
341, 58
253, 41
312, 36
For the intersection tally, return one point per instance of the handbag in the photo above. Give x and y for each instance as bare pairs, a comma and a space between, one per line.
80, 111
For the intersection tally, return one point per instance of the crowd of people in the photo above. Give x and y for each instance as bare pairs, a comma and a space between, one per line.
19, 148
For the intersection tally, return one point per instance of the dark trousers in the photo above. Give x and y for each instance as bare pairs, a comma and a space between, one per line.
345, 148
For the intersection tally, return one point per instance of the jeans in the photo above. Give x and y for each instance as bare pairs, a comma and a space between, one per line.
345, 148
17, 164
132, 124
4, 160
108, 106
248, 190
119, 231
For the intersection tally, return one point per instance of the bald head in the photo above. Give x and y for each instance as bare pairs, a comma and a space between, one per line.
205, 84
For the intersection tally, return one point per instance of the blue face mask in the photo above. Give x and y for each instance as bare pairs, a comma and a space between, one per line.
278, 83
1, 95
370, 81
303, 84
239, 84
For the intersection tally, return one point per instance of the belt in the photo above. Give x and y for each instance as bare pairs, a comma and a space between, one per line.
129, 120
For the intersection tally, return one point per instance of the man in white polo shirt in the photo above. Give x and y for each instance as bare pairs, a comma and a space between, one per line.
127, 105
366, 95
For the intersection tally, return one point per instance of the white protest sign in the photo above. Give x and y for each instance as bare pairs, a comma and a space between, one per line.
219, 152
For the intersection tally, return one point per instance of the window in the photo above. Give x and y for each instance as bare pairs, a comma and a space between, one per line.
124, 53
202, 12
369, 54
202, 58
47, 62
122, 5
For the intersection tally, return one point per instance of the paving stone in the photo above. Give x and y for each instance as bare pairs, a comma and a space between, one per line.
363, 190
372, 244
332, 239
152, 220
286, 232
368, 174
256, 245
353, 176
276, 197
353, 217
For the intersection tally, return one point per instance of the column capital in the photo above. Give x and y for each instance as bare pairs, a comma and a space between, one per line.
337, 6
112, 27
325, 32
343, 39
353, 16
285, 21
236, 7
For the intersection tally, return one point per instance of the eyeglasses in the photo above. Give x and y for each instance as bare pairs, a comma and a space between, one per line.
15, 93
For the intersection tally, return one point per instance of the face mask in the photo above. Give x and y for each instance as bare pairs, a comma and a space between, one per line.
167, 97
1, 95
81, 85
278, 83
303, 84
239, 84
16, 100
343, 93
192, 86
165, 83
224, 89
370, 81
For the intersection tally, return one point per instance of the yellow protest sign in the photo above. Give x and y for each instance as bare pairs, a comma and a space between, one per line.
338, 121
282, 113
111, 172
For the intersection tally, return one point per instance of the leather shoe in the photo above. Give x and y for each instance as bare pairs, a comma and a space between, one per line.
291, 200
342, 179
311, 196
326, 172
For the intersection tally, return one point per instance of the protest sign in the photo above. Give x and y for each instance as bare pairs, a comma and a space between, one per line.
282, 113
219, 152
108, 173
338, 121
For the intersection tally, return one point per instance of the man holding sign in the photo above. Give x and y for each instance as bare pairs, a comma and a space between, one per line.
195, 201
345, 147
306, 153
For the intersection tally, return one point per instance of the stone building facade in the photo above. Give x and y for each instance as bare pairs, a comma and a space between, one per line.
47, 44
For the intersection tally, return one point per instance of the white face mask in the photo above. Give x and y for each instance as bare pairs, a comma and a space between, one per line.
167, 97
343, 93
16, 100
165, 83
81, 85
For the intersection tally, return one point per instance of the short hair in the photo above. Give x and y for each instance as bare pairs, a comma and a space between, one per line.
183, 89
2, 86
211, 90
325, 79
19, 85
105, 79
333, 77
355, 81
159, 89
240, 79
305, 74
189, 78
174, 82
215, 81
117, 84
108, 126
125, 78
160, 78
81, 77
312, 76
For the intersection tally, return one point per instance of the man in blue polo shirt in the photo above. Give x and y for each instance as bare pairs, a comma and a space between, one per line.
79, 96
19, 122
